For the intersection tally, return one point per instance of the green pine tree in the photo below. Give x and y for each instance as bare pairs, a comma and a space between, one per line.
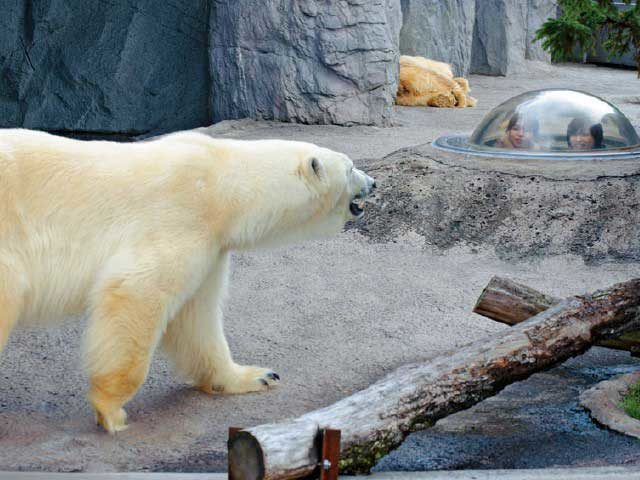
583, 22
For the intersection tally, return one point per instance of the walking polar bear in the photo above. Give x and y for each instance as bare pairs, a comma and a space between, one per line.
138, 236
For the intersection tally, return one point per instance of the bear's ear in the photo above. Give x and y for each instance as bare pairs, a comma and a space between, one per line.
316, 166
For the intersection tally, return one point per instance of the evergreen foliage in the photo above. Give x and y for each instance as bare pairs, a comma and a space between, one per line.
582, 22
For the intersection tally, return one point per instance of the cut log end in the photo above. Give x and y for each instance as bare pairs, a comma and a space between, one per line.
246, 459
509, 302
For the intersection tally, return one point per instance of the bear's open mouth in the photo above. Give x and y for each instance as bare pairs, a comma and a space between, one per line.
356, 207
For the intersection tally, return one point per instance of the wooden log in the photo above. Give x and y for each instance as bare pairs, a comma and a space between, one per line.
510, 302
376, 420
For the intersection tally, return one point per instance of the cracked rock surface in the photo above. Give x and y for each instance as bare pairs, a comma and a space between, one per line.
305, 61
123, 67
441, 30
491, 37
127, 68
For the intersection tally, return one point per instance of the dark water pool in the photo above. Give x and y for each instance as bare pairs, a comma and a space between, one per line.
532, 424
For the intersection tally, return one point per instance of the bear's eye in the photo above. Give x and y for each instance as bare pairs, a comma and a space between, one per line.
315, 165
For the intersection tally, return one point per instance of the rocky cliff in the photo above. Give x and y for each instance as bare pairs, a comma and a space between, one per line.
489, 37
305, 61
439, 29
141, 67
127, 67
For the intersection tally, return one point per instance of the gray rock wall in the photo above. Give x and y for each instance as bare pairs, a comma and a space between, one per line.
439, 29
146, 67
490, 37
504, 33
499, 37
304, 60
12, 59
137, 67
132, 66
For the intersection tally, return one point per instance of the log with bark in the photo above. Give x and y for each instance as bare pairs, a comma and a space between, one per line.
376, 420
510, 302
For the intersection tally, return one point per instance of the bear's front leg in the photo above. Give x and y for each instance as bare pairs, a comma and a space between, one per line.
121, 338
196, 343
129, 312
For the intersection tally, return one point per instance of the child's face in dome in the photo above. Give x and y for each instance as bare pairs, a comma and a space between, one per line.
517, 135
581, 141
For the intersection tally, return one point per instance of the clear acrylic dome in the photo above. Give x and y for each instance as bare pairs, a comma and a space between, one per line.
554, 120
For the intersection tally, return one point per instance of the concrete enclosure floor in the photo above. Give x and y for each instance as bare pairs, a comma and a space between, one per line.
329, 316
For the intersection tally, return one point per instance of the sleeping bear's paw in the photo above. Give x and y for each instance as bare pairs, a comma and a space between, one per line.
243, 379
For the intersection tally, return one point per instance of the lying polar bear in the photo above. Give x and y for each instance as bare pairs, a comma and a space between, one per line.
138, 236
425, 82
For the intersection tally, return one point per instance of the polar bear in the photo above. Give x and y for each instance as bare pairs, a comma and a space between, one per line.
435, 66
425, 82
138, 236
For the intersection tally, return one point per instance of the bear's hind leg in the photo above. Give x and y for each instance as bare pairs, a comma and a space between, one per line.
11, 303
123, 332
196, 343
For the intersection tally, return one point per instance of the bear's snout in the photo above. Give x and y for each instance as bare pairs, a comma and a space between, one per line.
367, 188
371, 184
367, 184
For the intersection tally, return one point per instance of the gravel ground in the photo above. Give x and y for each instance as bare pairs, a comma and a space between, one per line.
330, 316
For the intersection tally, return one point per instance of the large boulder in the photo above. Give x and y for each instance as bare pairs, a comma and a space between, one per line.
439, 29
500, 35
304, 60
504, 34
127, 67
490, 37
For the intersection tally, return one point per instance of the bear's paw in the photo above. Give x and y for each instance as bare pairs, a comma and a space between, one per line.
243, 379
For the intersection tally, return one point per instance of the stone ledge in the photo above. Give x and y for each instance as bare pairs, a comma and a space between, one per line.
603, 402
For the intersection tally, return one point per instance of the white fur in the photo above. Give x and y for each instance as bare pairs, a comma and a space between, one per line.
139, 235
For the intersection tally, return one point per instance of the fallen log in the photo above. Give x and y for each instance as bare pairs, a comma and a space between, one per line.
376, 420
510, 302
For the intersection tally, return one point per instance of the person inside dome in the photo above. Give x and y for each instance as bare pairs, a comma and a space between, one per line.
583, 135
519, 134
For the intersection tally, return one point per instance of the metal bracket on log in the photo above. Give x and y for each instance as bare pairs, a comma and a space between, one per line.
329, 455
